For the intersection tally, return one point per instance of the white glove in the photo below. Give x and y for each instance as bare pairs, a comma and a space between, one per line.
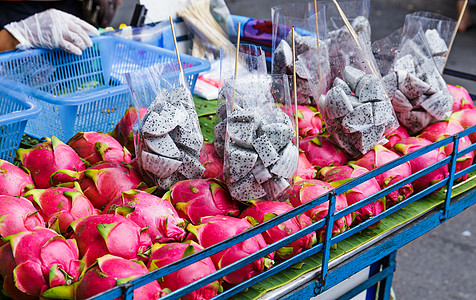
52, 29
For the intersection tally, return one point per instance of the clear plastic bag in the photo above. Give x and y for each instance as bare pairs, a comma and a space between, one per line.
260, 158
300, 16
413, 82
356, 108
341, 48
438, 31
251, 61
168, 139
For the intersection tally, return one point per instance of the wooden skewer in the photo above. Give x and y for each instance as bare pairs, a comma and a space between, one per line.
182, 77
317, 25
295, 89
371, 65
236, 58
454, 33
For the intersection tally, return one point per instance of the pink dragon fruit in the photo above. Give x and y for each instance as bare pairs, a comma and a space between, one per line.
94, 147
411, 144
49, 261
444, 129
378, 157
321, 152
123, 130
395, 135
309, 119
212, 162
16, 215
307, 190
164, 254
339, 175
146, 210
45, 159
197, 198
110, 271
104, 182
215, 229
461, 97
466, 118
305, 169
59, 206
262, 210
13, 180
109, 234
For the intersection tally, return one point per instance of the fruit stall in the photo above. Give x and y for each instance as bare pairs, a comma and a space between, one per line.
119, 182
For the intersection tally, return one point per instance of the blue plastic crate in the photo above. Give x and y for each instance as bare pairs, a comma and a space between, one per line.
87, 92
15, 111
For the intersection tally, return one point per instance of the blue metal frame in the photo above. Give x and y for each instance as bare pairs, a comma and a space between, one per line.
382, 254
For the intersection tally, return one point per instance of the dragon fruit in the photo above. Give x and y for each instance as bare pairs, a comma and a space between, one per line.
110, 271
395, 135
13, 180
197, 198
305, 169
50, 261
59, 206
461, 97
379, 156
164, 254
321, 152
17, 214
123, 130
104, 182
94, 147
339, 175
309, 119
467, 118
306, 190
109, 234
212, 162
215, 229
262, 210
45, 159
146, 210
412, 144
444, 129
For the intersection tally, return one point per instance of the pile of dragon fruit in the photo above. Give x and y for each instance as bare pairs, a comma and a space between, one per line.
77, 218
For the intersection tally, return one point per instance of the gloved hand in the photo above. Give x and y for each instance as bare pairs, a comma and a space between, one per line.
52, 29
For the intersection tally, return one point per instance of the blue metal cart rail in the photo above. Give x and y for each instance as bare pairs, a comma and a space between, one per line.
383, 253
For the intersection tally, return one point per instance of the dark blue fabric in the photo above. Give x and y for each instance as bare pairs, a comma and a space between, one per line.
18, 10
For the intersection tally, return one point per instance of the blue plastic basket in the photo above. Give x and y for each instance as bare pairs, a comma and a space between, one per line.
87, 92
15, 111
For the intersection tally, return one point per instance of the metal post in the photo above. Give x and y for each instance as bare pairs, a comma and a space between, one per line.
449, 186
327, 243
386, 283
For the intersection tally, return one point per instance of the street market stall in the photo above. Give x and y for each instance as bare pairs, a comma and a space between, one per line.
172, 211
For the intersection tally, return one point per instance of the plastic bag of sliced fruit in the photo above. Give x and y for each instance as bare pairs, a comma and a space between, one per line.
260, 158
356, 108
308, 59
438, 31
168, 139
251, 61
413, 82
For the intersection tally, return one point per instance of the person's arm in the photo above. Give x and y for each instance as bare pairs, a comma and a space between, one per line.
7, 41
51, 29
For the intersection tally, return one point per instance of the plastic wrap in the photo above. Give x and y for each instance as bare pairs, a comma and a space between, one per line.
418, 92
251, 61
438, 31
337, 38
260, 158
300, 16
168, 139
356, 108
